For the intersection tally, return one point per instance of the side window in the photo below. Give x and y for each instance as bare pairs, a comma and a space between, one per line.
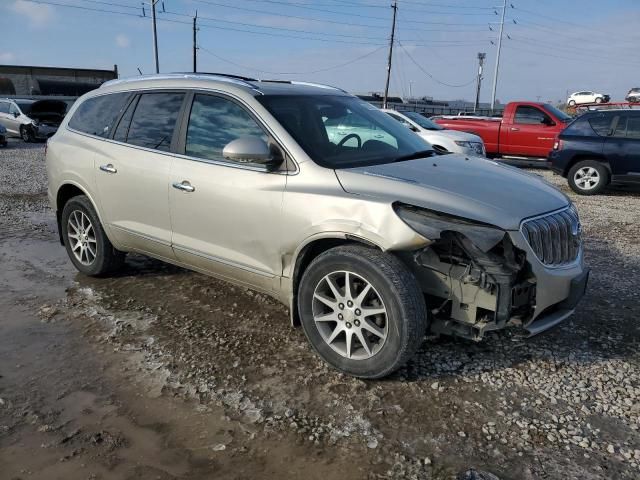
213, 123
154, 120
4, 107
122, 130
529, 115
633, 127
96, 115
601, 124
621, 128
587, 126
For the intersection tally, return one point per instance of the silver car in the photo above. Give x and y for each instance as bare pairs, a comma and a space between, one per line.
31, 120
371, 242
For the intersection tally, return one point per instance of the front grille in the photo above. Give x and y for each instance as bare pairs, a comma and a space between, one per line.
554, 238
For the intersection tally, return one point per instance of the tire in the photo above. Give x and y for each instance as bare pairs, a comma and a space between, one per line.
599, 99
79, 219
592, 169
26, 134
400, 323
634, 100
572, 103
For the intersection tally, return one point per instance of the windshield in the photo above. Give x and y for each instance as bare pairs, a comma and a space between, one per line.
423, 121
343, 131
559, 114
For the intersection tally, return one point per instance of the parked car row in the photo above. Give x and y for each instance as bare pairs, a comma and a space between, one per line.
317, 198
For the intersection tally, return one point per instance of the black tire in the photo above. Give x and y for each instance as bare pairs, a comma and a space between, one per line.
602, 172
406, 317
26, 133
107, 259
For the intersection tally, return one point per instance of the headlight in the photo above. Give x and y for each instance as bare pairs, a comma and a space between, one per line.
463, 143
431, 224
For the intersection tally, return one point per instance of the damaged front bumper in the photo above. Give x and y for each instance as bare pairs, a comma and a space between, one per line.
532, 278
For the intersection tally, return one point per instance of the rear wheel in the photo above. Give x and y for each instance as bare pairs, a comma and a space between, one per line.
572, 103
362, 310
85, 241
588, 177
599, 100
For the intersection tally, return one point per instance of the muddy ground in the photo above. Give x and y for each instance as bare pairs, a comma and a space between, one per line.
161, 373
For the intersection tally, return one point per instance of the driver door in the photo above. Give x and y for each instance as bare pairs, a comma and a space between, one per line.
527, 135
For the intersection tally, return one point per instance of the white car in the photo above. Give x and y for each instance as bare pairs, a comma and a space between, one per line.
586, 96
441, 139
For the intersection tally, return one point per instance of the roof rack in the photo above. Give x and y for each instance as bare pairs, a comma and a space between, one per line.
244, 81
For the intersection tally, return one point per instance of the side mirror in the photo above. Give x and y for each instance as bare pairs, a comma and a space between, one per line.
548, 122
251, 150
16, 114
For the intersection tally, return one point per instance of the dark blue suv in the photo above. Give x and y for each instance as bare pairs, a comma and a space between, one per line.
598, 148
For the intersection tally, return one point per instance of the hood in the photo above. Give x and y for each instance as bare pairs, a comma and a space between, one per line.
456, 135
473, 188
48, 110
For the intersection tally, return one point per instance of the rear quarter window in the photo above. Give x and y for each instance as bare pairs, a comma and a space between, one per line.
97, 115
590, 126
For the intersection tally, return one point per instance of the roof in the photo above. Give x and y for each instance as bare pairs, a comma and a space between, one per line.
264, 87
23, 100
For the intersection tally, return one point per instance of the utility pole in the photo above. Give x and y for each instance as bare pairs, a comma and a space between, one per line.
393, 34
155, 34
195, 44
495, 72
481, 57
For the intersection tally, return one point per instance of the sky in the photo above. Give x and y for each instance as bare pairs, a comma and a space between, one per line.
549, 47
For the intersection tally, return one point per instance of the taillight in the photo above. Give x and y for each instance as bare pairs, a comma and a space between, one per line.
557, 145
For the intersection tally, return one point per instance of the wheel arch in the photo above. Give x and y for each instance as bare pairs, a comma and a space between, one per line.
583, 157
66, 192
307, 253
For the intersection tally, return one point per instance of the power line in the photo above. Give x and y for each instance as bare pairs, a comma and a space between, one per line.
430, 75
354, 60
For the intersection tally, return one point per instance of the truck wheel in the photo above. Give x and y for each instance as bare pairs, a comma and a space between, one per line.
362, 310
85, 241
572, 103
588, 177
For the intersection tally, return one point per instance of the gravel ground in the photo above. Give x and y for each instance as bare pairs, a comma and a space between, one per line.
560, 405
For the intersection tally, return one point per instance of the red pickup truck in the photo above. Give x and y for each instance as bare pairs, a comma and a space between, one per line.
526, 129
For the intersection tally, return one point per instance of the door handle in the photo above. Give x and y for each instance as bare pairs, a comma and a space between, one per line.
109, 168
513, 129
185, 186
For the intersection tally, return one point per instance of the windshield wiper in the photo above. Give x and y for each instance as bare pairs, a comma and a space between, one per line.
415, 155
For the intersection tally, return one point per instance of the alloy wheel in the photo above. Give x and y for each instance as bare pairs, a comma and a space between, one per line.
586, 178
350, 315
82, 237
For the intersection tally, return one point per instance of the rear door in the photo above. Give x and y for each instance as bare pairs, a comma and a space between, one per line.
226, 215
622, 148
530, 133
4, 115
132, 172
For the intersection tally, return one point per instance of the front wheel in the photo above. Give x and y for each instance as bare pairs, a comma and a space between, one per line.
362, 310
588, 177
599, 100
27, 134
572, 103
85, 241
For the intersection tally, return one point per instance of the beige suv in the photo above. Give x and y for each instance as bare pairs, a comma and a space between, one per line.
371, 238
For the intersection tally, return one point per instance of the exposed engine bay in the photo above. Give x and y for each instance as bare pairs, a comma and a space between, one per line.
470, 291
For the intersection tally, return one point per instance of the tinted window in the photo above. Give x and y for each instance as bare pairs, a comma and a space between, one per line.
154, 120
213, 123
4, 107
25, 106
96, 115
633, 127
529, 115
621, 127
589, 125
123, 127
